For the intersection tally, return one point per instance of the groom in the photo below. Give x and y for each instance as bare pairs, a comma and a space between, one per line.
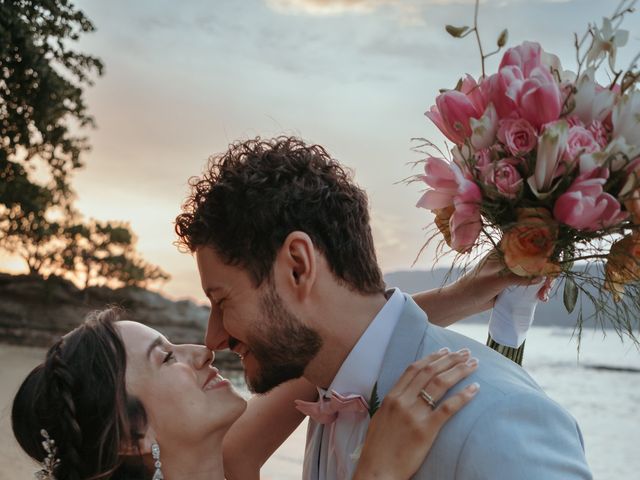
284, 248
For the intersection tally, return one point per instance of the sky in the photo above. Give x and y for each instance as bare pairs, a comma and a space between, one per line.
185, 79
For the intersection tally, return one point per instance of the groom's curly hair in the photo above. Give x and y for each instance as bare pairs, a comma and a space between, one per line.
259, 191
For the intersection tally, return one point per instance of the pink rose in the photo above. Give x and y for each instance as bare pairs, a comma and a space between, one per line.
585, 206
483, 159
454, 109
518, 136
579, 141
504, 177
599, 133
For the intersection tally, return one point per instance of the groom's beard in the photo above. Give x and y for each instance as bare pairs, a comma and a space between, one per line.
281, 345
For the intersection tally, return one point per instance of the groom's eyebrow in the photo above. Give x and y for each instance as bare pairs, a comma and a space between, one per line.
157, 342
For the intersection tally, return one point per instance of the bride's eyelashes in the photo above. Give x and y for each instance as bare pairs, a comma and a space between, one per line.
168, 357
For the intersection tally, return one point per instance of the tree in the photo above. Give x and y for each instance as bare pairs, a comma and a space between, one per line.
41, 80
41, 107
103, 253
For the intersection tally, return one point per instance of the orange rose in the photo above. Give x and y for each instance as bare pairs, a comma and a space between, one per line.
528, 245
443, 216
623, 264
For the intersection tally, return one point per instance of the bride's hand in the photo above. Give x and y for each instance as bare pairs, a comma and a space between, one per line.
405, 426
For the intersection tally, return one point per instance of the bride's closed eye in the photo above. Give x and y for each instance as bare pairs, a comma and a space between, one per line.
168, 357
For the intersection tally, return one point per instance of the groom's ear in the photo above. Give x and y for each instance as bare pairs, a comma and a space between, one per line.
296, 264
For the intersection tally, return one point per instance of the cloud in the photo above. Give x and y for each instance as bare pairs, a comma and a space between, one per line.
327, 7
407, 9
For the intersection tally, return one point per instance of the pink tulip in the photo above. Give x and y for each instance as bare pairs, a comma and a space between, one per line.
585, 206
538, 97
444, 181
526, 57
465, 223
496, 87
449, 187
454, 109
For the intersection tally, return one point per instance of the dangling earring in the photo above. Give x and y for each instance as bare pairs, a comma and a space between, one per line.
155, 453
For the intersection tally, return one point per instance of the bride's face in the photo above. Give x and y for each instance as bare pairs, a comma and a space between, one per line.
184, 397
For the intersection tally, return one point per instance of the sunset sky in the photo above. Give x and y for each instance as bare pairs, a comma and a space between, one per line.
184, 79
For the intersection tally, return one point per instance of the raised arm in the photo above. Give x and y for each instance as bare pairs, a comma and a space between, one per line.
267, 422
472, 293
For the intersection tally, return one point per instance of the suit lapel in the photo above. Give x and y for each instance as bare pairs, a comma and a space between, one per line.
405, 346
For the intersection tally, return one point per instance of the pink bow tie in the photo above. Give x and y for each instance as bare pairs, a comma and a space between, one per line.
325, 410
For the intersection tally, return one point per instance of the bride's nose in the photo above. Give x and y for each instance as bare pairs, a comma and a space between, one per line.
202, 356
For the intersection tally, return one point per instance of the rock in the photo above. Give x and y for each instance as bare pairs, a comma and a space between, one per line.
36, 311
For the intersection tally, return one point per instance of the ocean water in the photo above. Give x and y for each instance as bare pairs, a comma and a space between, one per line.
600, 387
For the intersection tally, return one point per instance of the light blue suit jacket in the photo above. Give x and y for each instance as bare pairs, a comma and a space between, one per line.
510, 431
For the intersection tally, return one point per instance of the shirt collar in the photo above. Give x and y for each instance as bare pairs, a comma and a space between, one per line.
360, 370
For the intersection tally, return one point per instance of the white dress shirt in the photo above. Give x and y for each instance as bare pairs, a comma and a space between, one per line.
342, 439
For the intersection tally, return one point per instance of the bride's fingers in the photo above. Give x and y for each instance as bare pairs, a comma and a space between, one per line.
426, 371
415, 368
438, 386
452, 405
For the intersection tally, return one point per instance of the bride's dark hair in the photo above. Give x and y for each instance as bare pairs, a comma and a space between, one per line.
78, 396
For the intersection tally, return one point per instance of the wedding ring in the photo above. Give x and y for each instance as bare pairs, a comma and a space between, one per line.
428, 398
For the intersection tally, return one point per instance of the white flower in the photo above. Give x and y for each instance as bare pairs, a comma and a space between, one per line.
593, 101
606, 41
615, 151
551, 147
484, 129
626, 119
553, 62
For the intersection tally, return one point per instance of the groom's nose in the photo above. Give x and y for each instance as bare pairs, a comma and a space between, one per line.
216, 337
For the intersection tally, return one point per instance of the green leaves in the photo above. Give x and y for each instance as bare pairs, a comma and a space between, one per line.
457, 32
570, 294
503, 38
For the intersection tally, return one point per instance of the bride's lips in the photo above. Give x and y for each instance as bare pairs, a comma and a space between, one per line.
214, 380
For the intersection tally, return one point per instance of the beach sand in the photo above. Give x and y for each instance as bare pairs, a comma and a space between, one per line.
16, 362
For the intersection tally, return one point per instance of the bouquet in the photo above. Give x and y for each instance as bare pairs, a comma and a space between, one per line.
545, 168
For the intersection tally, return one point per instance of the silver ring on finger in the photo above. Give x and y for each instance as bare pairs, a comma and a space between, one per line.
427, 398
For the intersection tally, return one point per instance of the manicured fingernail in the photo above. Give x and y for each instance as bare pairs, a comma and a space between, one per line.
464, 352
443, 350
473, 388
473, 362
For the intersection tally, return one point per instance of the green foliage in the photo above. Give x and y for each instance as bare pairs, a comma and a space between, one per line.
41, 84
103, 253
41, 108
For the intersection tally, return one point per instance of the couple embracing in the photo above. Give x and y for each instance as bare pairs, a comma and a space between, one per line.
283, 245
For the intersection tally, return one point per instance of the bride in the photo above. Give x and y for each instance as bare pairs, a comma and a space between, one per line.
114, 399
